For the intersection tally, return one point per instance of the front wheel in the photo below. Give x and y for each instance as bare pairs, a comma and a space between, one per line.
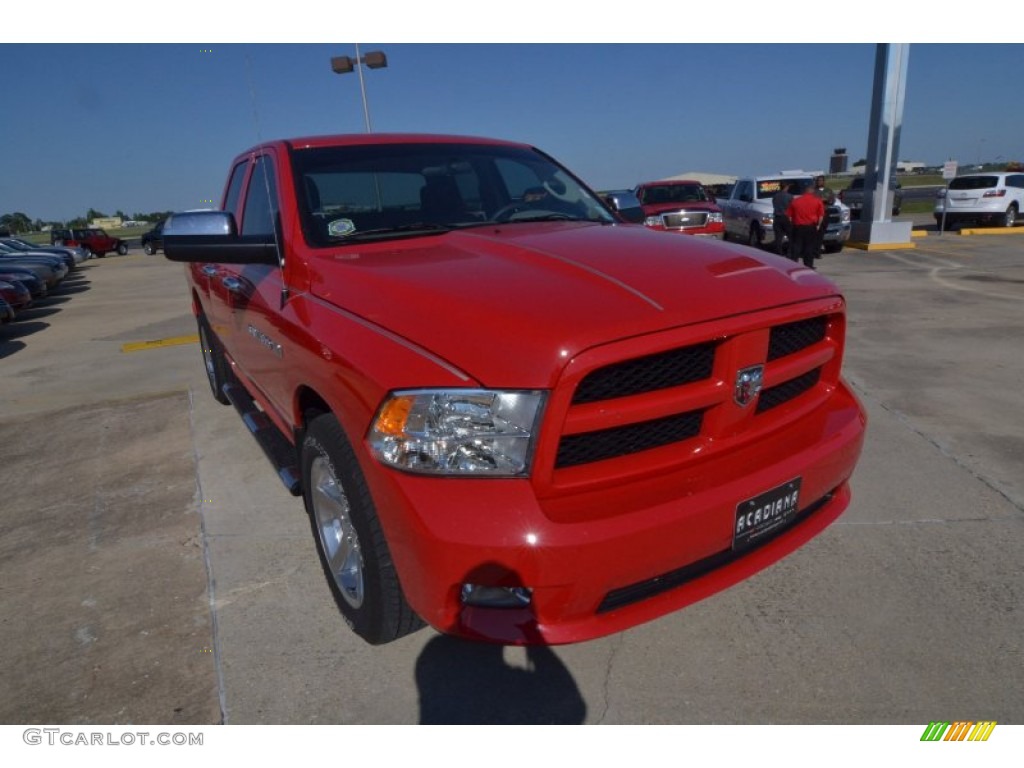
833, 247
350, 541
213, 361
149, 249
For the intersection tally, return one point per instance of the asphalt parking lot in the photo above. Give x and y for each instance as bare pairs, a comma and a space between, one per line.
154, 570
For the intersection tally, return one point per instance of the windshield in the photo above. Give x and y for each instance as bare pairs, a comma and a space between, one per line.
766, 188
349, 194
673, 193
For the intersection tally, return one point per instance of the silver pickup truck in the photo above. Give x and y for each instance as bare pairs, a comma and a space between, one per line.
748, 213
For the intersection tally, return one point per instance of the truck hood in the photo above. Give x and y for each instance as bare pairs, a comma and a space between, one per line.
510, 305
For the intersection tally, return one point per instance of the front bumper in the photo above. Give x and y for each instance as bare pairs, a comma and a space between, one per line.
838, 233
445, 532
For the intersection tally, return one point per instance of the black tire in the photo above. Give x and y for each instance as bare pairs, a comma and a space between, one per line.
122, 250
833, 247
349, 539
1009, 219
213, 361
149, 249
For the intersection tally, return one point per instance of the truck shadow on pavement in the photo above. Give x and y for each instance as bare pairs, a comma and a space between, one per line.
467, 683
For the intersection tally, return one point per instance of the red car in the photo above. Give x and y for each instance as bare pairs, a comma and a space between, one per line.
681, 206
509, 414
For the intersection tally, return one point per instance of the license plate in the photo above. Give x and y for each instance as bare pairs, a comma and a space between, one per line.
758, 518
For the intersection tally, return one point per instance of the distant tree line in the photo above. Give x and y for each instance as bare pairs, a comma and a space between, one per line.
18, 222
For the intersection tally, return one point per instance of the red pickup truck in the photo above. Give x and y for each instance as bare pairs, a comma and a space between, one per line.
509, 414
682, 206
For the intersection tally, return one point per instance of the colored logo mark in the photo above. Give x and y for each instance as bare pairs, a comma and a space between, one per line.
961, 730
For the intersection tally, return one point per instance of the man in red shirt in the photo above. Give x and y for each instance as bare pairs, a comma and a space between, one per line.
806, 212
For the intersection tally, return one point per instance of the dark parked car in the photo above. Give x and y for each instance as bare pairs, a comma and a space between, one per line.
77, 255
153, 240
853, 196
64, 254
15, 294
50, 268
6, 311
36, 286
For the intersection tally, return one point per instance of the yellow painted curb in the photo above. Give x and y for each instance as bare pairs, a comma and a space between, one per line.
992, 231
137, 346
919, 233
880, 246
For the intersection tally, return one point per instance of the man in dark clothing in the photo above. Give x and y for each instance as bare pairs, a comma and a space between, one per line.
782, 227
806, 212
828, 197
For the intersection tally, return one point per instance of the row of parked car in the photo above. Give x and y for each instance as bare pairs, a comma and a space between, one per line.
29, 272
743, 211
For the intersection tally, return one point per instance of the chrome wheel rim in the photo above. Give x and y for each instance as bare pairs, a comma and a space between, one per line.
1011, 216
338, 537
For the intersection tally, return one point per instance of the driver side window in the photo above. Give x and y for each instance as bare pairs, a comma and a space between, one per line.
260, 200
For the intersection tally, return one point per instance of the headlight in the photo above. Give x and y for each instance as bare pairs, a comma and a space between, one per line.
714, 218
844, 215
767, 219
458, 431
652, 221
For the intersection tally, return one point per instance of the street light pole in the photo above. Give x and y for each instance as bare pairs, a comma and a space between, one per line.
362, 90
344, 64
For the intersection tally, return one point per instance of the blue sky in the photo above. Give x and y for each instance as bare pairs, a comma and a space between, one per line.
145, 127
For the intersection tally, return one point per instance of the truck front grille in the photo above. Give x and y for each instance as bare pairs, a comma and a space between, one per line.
647, 374
692, 394
792, 337
685, 220
620, 441
783, 393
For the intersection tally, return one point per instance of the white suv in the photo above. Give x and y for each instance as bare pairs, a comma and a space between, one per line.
982, 197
